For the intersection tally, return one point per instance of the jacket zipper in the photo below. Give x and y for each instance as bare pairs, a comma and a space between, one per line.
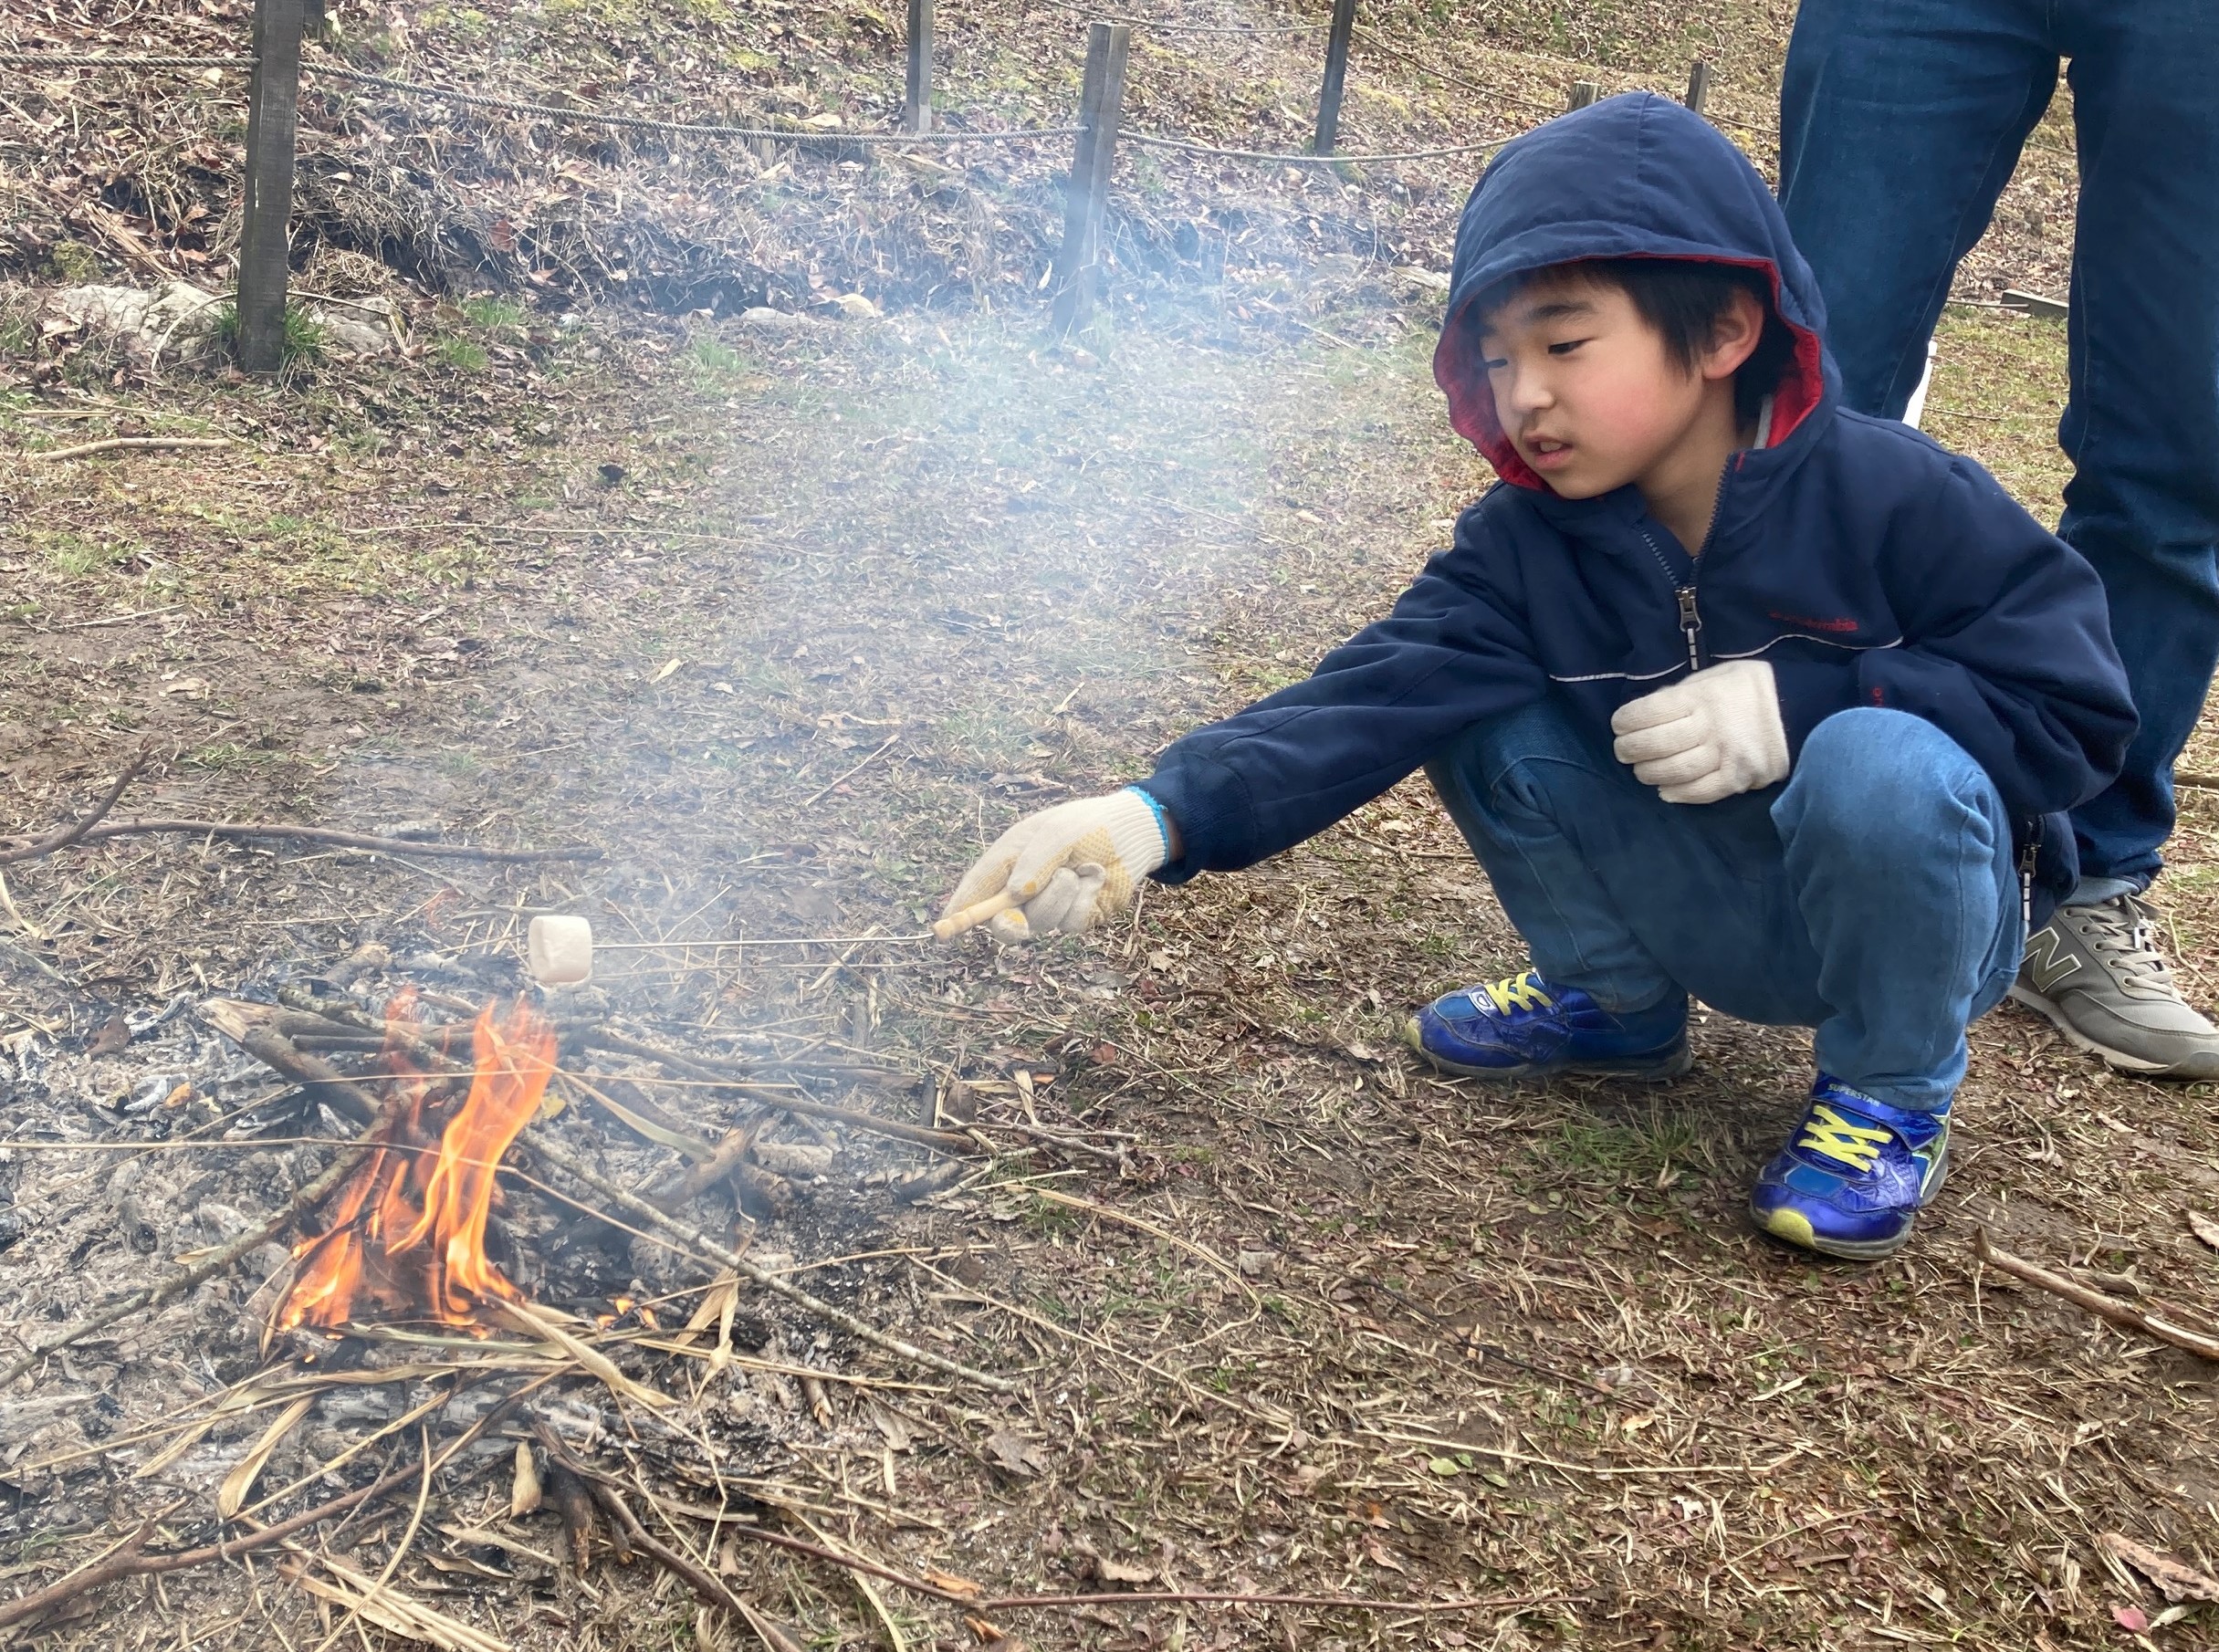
1690, 618
1690, 621
2028, 853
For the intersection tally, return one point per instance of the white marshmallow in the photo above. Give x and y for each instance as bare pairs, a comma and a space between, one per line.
561, 951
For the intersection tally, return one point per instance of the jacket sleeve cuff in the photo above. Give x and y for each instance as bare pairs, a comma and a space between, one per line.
1810, 692
1210, 803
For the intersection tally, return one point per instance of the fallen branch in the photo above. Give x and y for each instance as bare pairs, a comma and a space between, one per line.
252, 1027
2122, 1314
277, 1052
117, 443
132, 1561
702, 1245
315, 834
62, 837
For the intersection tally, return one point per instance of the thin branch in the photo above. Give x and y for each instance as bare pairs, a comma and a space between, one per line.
309, 834
708, 1588
942, 1141
118, 443
63, 836
2117, 1313
131, 1561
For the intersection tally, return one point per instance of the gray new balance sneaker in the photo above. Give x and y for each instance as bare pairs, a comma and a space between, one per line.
2095, 971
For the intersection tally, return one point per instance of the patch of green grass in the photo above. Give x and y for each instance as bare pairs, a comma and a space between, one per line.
74, 262
76, 555
224, 754
713, 364
460, 354
490, 314
303, 339
1646, 1149
1999, 385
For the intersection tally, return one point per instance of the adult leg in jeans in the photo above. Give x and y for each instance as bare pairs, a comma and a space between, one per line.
1900, 121
2143, 424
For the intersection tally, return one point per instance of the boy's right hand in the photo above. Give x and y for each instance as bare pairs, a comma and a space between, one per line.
1063, 868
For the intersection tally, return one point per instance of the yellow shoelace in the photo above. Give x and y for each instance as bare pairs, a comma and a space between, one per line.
1517, 992
1856, 1145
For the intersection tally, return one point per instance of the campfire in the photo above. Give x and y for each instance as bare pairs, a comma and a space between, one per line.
406, 1233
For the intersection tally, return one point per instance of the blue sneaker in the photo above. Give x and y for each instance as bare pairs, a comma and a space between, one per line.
1522, 1027
1854, 1175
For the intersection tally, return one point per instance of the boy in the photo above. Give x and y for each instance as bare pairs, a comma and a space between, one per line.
1735, 695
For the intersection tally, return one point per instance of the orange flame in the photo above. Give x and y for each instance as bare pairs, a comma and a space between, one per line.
406, 1233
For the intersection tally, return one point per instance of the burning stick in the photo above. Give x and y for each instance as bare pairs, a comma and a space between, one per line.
976, 914
409, 1230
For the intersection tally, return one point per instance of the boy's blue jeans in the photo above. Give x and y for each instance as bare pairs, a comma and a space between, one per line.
1900, 121
1873, 896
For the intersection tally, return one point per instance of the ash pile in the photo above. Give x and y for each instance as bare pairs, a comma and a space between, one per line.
434, 1304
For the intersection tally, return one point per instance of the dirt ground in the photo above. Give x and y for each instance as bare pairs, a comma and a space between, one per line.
790, 620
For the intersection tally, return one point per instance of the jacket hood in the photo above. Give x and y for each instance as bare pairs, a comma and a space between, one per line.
1637, 176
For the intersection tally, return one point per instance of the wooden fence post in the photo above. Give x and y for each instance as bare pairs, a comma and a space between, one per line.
265, 230
1336, 77
1699, 85
1100, 107
916, 110
1584, 92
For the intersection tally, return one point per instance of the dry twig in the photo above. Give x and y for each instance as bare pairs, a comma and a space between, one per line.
62, 837
337, 838
708, 1588
2123, 1314
118, 443
942, 1141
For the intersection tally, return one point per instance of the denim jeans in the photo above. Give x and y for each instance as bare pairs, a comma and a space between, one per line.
1900, 121
1873, 896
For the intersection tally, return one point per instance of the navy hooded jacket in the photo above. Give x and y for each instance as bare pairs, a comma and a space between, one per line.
1866, 564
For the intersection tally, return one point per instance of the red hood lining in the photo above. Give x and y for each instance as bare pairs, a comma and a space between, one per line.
1472, 402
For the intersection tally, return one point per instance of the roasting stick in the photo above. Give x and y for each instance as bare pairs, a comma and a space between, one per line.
976, 914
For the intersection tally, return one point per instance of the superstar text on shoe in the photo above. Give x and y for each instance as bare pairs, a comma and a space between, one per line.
1854, 1175
1523, 1027
2096, 972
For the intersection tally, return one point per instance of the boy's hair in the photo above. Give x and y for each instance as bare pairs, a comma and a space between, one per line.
1683, 299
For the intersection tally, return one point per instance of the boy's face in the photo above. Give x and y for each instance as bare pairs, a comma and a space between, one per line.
1583, 387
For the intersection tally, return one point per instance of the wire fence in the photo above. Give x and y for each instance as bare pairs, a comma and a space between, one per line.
277, 63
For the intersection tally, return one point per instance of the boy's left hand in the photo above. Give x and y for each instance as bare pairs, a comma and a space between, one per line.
1714, 733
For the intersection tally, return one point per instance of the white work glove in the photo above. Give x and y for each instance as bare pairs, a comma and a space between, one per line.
1714, 733
1066, 866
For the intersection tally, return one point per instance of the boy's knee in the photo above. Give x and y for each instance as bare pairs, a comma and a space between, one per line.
1876, 776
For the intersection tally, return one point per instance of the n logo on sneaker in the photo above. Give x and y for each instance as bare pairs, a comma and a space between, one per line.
2047, 959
